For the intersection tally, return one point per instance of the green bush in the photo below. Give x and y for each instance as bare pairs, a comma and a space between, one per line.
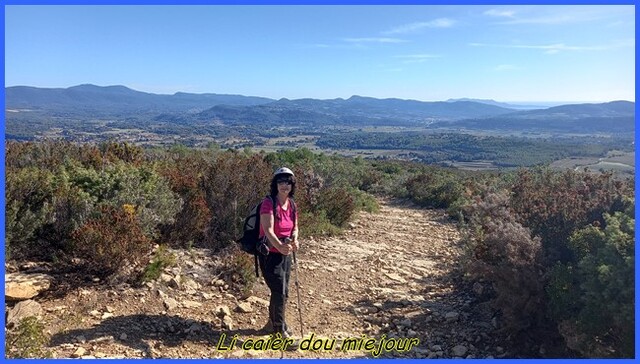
583, 259
555, 204
338, 204
27, 340
161, 259
365, 201
242, 272
596, 292
316, 224
28, 208
119, 184
434, 189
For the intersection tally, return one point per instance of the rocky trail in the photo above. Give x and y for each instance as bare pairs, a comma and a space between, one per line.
390, 278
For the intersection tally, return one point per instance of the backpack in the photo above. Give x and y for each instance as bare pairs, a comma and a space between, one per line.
250, 242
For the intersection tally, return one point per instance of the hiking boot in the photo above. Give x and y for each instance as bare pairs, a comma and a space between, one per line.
268, 329
293, 346
287, 335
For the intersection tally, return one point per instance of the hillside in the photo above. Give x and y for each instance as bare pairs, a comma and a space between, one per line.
617, 117
115, 100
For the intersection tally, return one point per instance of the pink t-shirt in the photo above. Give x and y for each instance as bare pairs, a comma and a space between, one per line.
283, 224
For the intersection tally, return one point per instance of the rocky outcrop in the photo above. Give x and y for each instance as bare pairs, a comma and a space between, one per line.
22, 310
21, 286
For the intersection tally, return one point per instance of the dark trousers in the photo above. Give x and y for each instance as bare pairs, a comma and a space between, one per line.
276, 270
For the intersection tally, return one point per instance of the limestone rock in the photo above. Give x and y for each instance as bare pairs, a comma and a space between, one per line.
258, 300
191, 304
170, 304
227, 322
23, 309
244, 307
79, 352
21, 286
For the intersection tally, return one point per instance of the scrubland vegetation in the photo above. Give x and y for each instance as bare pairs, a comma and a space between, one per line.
556, 247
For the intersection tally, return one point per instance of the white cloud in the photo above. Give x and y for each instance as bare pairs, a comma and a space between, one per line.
551, 19
554, 15
500, 13
415, 27
554, 48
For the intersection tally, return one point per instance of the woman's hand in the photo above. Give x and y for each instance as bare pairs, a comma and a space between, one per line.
284, 249
295, 244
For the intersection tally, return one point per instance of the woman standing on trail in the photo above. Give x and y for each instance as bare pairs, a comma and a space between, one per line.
276, 266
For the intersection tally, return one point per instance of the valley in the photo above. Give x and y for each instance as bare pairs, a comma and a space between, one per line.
465, 134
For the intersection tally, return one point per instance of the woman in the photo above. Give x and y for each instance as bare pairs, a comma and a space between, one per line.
276, 266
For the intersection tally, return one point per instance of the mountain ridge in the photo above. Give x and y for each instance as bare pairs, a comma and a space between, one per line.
127, 90
87, 102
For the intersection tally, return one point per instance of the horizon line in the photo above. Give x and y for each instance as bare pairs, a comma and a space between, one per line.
464, 98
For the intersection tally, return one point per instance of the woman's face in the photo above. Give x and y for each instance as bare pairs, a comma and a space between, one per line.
284, 185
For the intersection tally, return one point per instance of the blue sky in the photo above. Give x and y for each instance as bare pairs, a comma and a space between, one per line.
551, 53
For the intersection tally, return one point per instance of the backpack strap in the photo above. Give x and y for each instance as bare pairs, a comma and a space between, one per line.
293, 210
255, 256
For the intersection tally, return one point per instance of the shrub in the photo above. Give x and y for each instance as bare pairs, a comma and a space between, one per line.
554, 204
593, 297
365, 202
434, 189
112, 242
161, 259
309, 189
502, 251
120, 184
28, 207
238, 269
184, 174
114, 151
338, 205
232, 186
316, 224
27, 340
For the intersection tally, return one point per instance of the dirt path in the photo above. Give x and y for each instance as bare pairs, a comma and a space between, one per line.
389, 279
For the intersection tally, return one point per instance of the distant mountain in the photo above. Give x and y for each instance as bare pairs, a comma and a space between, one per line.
501, 104
394, 108
609, 109
50, 107
115, 100
610, 117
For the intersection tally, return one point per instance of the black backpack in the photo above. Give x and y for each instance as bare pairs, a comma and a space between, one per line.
250, 242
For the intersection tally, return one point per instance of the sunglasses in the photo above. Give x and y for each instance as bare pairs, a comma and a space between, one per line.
287, 181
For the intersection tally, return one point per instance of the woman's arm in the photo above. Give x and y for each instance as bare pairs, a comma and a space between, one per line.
294, 235
267, 221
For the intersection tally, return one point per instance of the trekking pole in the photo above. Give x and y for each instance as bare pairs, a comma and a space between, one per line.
295, 263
